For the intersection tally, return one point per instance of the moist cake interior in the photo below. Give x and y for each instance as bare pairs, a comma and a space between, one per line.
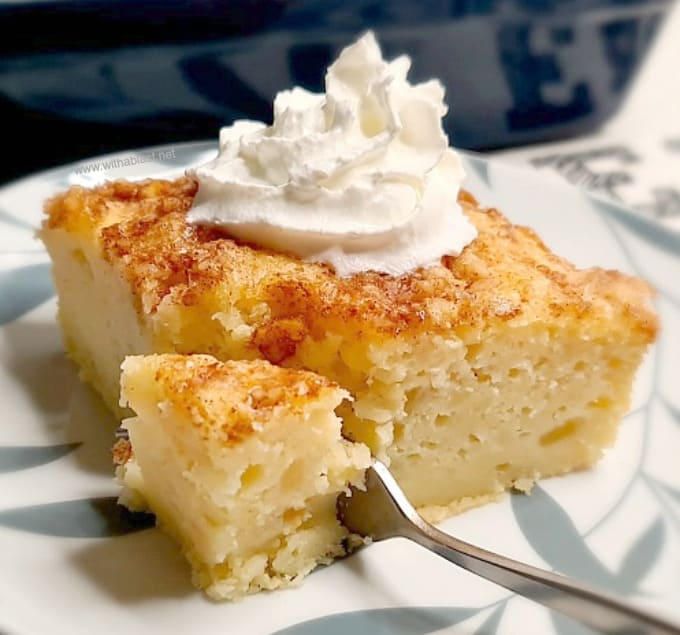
493, 369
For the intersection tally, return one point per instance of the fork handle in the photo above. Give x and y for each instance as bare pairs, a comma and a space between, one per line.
597, 610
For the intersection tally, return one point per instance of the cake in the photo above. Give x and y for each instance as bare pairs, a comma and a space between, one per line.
242, 462
320, 292
486, 371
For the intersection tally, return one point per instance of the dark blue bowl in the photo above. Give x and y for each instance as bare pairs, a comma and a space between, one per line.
116, 73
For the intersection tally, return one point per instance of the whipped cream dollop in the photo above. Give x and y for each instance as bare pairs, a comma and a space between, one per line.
361, 177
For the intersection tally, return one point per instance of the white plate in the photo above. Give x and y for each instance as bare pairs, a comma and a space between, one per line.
617, 526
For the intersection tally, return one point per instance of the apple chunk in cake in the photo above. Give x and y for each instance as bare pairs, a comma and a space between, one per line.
242, 463
484, 372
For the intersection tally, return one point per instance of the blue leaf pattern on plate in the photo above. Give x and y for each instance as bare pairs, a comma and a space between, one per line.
8, 219
479, 165
642, 555
649, 231
85, 518
673, 411
491, 623
23, 289
566, 626
17, 458
390, 621
552, 534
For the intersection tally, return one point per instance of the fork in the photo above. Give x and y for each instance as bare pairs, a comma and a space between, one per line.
382, 511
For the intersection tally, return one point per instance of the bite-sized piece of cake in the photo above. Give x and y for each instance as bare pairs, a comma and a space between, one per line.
242, 462
487, 371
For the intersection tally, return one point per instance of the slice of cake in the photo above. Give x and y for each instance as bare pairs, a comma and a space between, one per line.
486, 371
242, 463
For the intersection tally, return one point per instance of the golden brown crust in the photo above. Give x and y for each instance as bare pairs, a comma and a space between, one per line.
228, 402
506, 273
